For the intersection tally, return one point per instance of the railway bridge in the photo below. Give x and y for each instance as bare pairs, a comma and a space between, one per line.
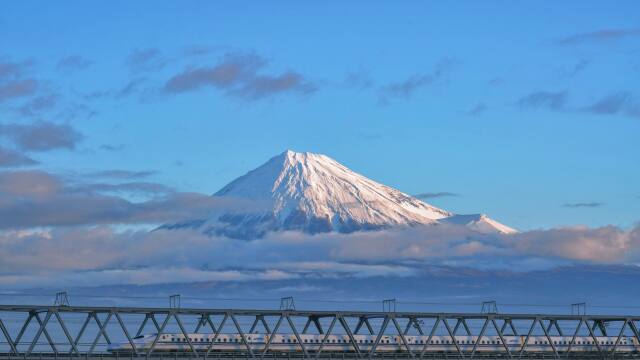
62, 331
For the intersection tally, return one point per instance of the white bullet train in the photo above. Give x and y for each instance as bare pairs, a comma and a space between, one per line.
388, 343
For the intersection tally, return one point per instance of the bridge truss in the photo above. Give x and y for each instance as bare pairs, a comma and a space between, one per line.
79, 331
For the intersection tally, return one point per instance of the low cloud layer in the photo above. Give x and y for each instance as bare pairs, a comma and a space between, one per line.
45, 217
240, 75
37, 198
137, 257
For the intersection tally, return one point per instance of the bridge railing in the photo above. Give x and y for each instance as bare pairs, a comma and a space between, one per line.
27, 330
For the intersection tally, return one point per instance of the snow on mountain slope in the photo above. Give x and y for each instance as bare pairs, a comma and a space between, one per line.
479, 222
314, 193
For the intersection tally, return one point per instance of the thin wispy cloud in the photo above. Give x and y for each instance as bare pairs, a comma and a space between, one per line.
583, 205
406, 88
146, 60
240, 75
12, 158
554, 100
477, 110
38, 104
122, 174
599, 36
622, 103
14, 80
359, 79
73, 63
433, 195
41, 136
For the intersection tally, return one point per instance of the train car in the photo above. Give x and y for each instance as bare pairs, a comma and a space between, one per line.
231, 342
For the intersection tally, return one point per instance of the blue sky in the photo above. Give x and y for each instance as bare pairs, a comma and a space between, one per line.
530, 112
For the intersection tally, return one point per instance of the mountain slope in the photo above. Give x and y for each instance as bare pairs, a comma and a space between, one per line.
313, 193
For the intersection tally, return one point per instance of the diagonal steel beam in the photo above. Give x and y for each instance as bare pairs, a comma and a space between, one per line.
513, 328
634, 329
255, 324
242, 336
46, 333
326, 336
144, 322
455, 328
346, 328
409, 323
295, 333
453, 338
186, 335
475, 346
385, 323
404, 340
201, 323
210, 322
546, 333
217, 333
526, 340
66, 332
593, 336
24, 328
82, 329
558, 328
126, 333
433, 331
7, 336
504, 343
101, 331
575, 334
615, 346
41, 329
306, 325
160, 331
269, 340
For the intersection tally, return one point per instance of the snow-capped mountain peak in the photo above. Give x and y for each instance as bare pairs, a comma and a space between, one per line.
313, 193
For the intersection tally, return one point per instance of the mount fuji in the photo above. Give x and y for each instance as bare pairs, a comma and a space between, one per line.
313, 193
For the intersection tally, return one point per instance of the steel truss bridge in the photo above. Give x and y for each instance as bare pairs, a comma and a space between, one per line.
61, 332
